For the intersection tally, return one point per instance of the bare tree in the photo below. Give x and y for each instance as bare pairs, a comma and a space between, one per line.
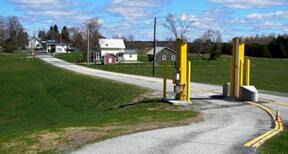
2, 30
179, 26
119, 36
199, 46
212, 41
77, 40
213, 36
12, 34
92, 26
131, 38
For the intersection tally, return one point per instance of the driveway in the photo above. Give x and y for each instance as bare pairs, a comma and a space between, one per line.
227, 125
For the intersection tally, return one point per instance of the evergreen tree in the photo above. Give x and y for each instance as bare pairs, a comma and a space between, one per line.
42, 35
52, 34
55, 28
65, 35
278, 47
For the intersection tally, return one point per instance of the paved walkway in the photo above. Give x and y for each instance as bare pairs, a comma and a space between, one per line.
227, 126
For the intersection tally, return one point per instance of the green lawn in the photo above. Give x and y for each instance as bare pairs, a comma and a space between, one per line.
266, 74
73, 57
278, 144
37, 97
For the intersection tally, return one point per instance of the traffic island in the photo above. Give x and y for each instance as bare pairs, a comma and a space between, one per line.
239, 86
177, 102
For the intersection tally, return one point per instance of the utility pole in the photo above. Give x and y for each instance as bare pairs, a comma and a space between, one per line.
154, 45
33, 42
88, 46
61, 37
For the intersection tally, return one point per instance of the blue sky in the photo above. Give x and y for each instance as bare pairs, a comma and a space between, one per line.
135, 17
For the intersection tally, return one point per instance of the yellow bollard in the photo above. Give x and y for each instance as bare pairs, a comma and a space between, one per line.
236, 79
188, 82
247, 72
165, 80
181, 68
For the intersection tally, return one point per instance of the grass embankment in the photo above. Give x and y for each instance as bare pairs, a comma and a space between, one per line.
43, 108
266, 74
277, 144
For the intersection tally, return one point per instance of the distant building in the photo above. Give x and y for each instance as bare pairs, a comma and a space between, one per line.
117, 48
49, 46
130, 56
112, 46
162, 54
36, 44
52, 46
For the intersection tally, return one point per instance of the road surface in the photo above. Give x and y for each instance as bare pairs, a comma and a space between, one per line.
227, 125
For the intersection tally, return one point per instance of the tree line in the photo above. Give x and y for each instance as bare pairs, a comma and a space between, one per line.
53, 33
211, 41
12, 34
75, 36
263, 46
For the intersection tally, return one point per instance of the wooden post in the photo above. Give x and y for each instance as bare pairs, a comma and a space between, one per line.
154, 46
165, 68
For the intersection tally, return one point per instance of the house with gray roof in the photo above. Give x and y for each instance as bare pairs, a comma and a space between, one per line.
162, 54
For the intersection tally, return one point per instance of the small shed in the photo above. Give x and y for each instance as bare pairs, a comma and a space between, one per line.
109, 59
162, 54
130, 55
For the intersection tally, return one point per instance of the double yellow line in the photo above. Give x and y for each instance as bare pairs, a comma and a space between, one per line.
256, 142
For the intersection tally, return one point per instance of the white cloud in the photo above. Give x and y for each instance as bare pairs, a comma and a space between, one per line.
262, 22
246, 4
274, 15
268, 25
132, 9
54, 11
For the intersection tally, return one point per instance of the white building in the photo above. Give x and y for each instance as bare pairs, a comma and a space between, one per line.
111, 46
52, 46
36, 44
61, 48
130, 55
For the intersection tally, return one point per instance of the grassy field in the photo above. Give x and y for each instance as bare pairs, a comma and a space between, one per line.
277, 145
266, 74
43, 108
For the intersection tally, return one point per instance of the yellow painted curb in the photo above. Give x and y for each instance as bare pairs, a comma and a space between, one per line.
256, 142
272, 102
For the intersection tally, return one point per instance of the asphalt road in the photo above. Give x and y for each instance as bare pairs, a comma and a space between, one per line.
227, 125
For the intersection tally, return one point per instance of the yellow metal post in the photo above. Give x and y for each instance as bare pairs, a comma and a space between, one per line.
240, 82
236, 80
241, 66
182, 68
165, 80
247, 72
188, 82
